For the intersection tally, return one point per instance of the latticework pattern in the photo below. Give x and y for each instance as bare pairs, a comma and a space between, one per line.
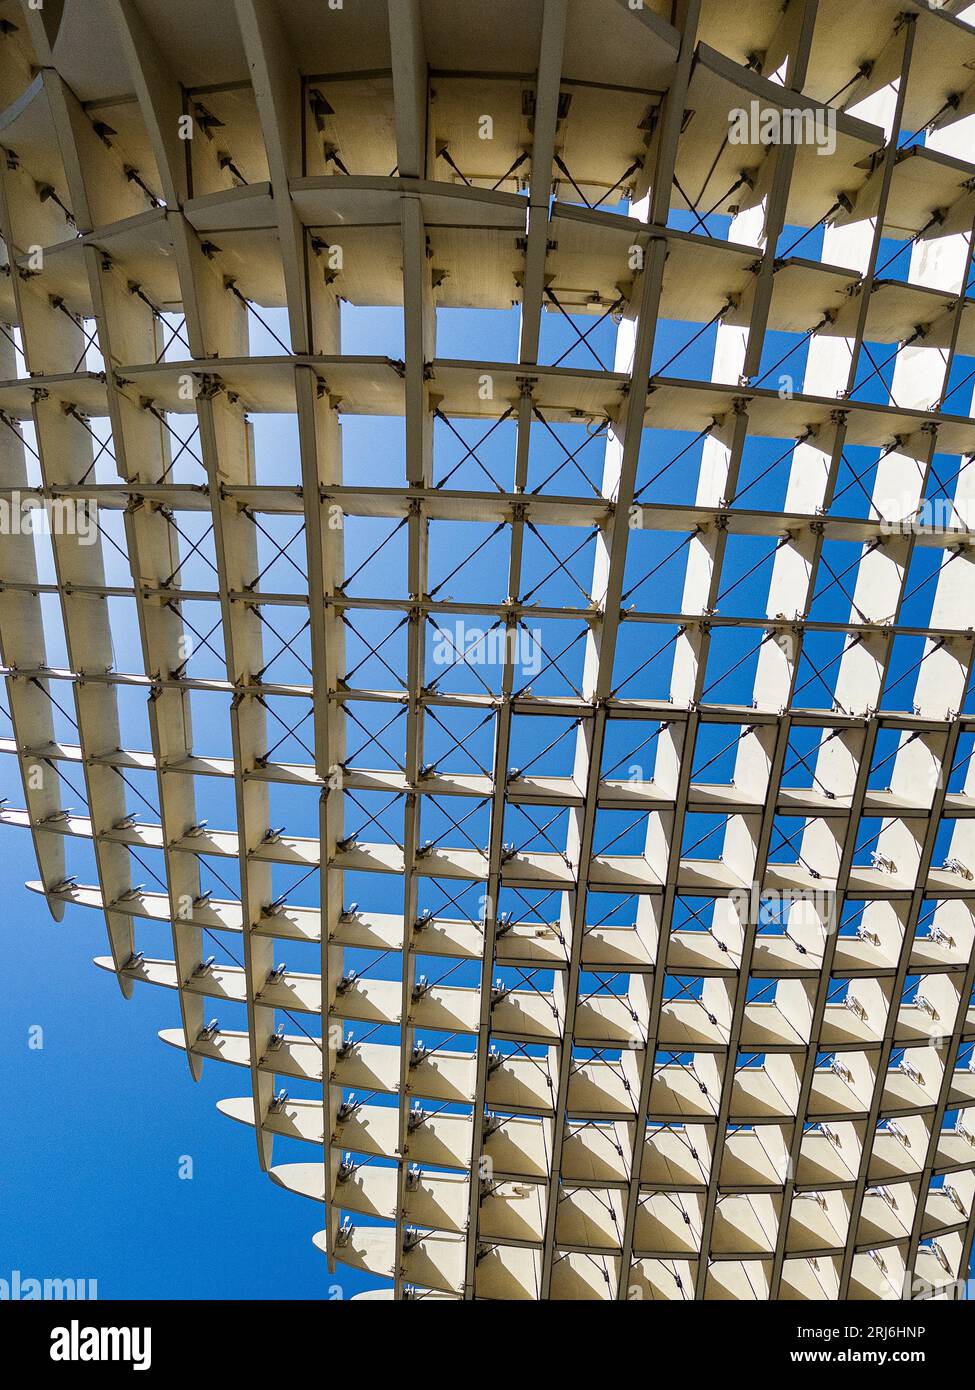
544, 772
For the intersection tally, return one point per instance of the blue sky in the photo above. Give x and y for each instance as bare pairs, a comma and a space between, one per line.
102, 1116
